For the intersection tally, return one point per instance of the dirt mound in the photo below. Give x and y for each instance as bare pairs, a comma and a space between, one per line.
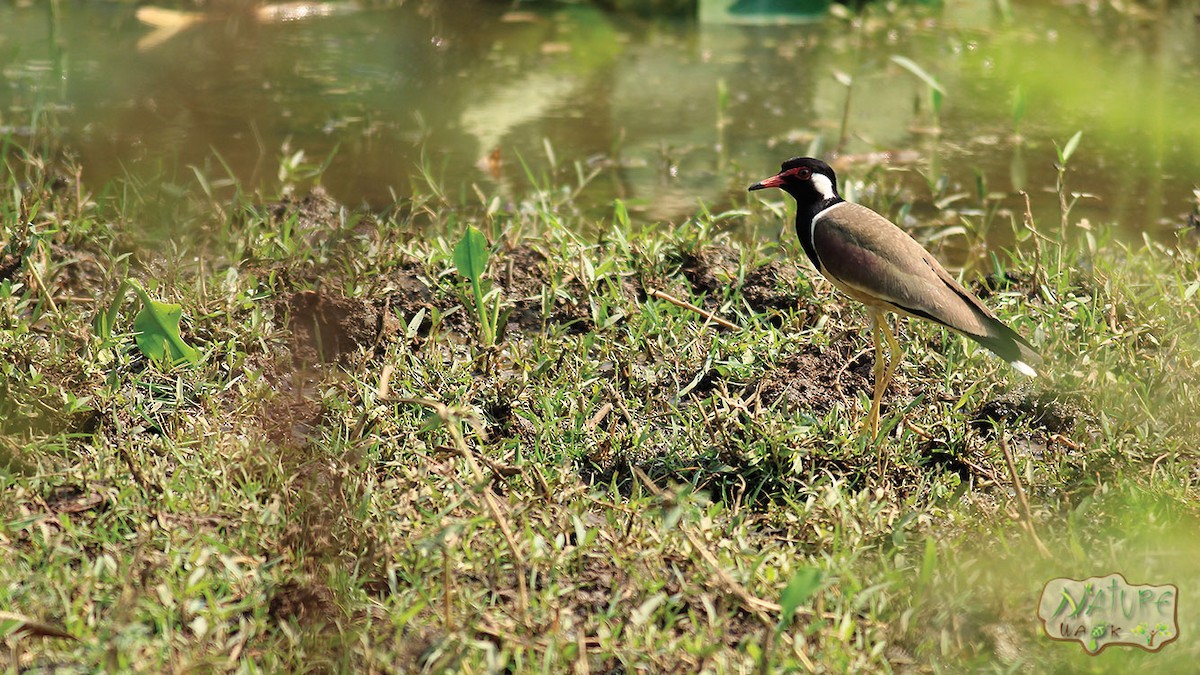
289, 421
814, 381
1045, 410
761, 289
524, 277
316, 211
709, 270
411, 292
9, 265
328, 328
303, 602
72, 499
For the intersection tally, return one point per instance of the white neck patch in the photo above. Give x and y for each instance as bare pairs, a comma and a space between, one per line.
823, 185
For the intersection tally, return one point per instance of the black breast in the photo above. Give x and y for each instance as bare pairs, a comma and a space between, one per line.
804, 221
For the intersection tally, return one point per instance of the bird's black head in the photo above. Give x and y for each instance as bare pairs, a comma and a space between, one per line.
809, 180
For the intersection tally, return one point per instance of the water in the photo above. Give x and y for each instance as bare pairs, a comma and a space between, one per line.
669, 115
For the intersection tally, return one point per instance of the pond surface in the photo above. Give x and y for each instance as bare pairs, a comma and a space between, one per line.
667, 114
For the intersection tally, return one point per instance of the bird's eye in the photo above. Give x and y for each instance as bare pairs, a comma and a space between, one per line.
804, 174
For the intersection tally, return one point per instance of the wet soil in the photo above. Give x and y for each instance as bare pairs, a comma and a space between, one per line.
72, 499
9, 264
411, 294
327, 328
78, 273
315, 212
709, 270
323, 222
812, 382
524, 277
766, 288
290, 418
815, 380
316, 482
1044, 410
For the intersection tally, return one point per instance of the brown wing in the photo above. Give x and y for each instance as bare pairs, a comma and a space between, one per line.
867, 256
865, 252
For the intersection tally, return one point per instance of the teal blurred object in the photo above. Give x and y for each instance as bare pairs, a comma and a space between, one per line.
652, 7
763, 12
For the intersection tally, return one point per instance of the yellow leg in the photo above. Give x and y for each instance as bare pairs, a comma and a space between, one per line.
883, 371
872, 421
894, 351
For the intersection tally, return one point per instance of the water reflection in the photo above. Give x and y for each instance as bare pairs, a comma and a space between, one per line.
671, 113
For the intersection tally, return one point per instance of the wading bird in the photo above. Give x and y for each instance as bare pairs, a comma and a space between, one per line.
869, 258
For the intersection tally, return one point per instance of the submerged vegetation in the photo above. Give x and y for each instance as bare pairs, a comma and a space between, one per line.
396, 451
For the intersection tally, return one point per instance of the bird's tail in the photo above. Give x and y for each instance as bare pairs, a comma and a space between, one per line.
1010, 346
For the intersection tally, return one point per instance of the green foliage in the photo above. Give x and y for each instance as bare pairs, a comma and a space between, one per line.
804, 583
621, 214
1019, 108
155, 327
1066, 150
937, 93
928, 562
470, 258
1066, 200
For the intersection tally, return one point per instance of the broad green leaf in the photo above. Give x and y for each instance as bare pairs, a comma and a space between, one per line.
804, 583
157, 330
911, 66
470, 257
471, 254
415, 325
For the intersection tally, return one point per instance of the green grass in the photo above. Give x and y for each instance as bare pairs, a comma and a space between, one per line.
349, 479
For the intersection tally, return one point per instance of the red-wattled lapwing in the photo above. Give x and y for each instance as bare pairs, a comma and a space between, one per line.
869, 258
